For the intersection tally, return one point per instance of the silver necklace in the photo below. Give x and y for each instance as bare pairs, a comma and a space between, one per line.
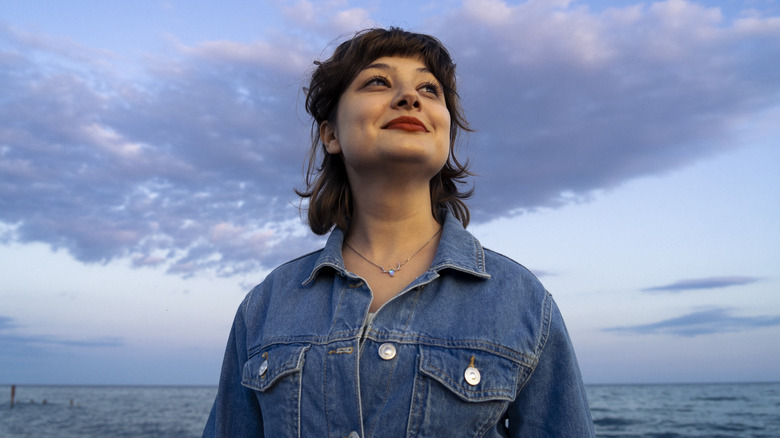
391, 272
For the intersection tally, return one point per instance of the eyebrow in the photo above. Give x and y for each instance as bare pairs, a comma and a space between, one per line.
383, 66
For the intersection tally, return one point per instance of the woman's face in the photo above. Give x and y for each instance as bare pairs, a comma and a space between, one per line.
392, 114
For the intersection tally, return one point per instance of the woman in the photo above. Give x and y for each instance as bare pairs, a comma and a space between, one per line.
403, 325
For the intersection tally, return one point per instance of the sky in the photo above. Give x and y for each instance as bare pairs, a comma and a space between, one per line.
626, 152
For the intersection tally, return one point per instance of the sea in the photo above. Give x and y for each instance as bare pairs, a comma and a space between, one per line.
724, 410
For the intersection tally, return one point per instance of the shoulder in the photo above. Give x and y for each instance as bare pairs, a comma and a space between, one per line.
504, 270
298, 266
505, 262
527, 293
508, 306
517, 289
288, 276
274, 303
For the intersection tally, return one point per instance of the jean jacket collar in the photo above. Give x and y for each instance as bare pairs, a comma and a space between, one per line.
458, 250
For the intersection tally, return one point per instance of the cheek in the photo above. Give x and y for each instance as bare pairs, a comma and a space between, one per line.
443, 116
446, 126
352, 118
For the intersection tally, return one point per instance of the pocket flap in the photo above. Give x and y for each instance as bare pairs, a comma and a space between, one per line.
496, 377
263, 369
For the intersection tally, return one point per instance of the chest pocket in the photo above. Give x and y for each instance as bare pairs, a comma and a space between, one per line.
275, 376
262, 370
461, 389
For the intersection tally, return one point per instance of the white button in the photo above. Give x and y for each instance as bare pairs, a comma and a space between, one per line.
354, 434
472, 376
263, 368
387, 351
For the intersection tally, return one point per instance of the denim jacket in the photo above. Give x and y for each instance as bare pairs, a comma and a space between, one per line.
474, 347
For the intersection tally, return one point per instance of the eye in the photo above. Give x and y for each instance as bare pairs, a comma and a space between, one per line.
432, 88
377, 80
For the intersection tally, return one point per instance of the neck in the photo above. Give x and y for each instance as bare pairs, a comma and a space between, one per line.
390, 223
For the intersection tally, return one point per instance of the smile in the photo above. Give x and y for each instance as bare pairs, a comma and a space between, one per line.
406, 124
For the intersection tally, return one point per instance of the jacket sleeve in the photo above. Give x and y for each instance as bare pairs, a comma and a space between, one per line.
552, 402
236, 412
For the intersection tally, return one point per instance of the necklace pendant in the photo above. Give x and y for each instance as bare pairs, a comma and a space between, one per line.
392, 271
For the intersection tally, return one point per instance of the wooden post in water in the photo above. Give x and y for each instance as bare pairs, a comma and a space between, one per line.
13, 394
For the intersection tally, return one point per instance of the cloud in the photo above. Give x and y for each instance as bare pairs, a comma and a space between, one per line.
703, 283
324, 18
148, 170
11, 343
702, 322
6, 323
192, 165
566, 100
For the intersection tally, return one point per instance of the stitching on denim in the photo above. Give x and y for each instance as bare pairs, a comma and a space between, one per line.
546, 318
544, 334
325, 393
404, 338
307, 339
395, 362
479, 261
480, 254
497, 349
301, 360
454, 386
325, 263
493, 418
357, 391
293, 364
338, 308
414, 307
418, 395
425, 364
384, 398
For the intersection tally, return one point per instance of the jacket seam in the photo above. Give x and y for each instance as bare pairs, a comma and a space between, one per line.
544, 335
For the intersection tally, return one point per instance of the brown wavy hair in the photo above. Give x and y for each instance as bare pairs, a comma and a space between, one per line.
327, 186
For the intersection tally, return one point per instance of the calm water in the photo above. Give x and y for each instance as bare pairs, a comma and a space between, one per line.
105, 411
677, 411
627, 411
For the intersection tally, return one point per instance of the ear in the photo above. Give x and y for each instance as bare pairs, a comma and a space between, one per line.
328, 137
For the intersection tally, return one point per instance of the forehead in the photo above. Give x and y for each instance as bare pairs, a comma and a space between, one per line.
398, 63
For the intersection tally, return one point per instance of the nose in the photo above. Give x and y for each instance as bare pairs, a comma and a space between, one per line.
407, 98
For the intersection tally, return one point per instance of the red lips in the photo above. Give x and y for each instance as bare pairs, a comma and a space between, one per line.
407, 124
